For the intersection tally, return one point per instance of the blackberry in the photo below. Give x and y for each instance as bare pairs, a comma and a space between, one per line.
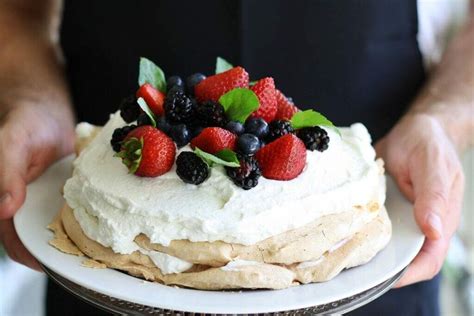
246, 176
129, 109
211, 113
143, 119
278, 128
190, 168
314, 138
119, 135
178, 107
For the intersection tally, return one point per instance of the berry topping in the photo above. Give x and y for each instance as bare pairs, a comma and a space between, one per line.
192, 81
119, 135
147, 152
163, 125
278, 128
211, 113
246, 176
129, 109
144, 119
178, 107
175, 81
282, 159
190, 168
248, 144
180, 134
286, 107
214, 139
256, 126
153, 98
235, 127
314, 138
213, 87
265, 91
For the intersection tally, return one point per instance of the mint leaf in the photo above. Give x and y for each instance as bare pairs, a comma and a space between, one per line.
151, 73
141, 102
228, 155
222, 65
310, 118
212, 159
239, 103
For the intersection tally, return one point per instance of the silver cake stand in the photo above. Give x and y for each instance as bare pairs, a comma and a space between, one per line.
121, 307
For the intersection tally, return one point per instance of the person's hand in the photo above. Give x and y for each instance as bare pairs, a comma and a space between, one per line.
31, 138
423, 161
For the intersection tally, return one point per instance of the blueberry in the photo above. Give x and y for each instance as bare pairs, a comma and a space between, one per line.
235, 127
192, 81
174, 81
163, 125
180, 134
256, 126
248, 144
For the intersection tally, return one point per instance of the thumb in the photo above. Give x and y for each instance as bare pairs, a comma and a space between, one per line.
431, 187
13, 165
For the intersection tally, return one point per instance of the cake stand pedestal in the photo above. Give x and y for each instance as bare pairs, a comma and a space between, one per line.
121, 307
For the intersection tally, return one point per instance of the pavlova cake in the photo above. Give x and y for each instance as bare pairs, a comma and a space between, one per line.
221, 183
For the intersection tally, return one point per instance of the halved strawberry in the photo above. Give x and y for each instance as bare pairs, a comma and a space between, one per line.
147, 152
214, 139
282, 159
286, 108
213, 87
265, 91
154, 98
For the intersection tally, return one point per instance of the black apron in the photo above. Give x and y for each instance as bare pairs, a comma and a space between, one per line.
353, 60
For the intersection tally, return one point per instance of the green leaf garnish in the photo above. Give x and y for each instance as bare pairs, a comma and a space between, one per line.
239, 103
311, 118
222, 65
151, 73
226, 158
141, 102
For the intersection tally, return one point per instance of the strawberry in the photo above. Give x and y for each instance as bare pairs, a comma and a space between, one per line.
147, 152
154, 98
286, 108
282, 159
266, 93
214, 139
213, 87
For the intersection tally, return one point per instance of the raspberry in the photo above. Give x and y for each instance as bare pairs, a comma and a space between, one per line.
190, 168
211, 113
178, 107
314, 138
129, 109
246, 176
279, 128
119, 135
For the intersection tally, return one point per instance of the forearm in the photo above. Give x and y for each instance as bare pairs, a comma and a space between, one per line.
449, 93
31, 68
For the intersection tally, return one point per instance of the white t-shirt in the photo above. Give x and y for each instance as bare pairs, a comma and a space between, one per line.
438, 20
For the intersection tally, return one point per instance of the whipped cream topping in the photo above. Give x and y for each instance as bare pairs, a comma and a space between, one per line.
113, 206
237, 264
166, 263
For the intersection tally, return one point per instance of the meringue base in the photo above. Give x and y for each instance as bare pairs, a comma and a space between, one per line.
264, 272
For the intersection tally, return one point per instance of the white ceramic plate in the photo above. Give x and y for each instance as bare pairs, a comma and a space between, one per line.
44, 200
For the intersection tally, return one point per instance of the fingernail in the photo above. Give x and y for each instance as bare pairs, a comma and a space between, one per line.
5, 199
435, 223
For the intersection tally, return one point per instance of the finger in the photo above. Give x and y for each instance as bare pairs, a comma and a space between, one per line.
455, 204
426, 264
431, 185
14, 247
13, 167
